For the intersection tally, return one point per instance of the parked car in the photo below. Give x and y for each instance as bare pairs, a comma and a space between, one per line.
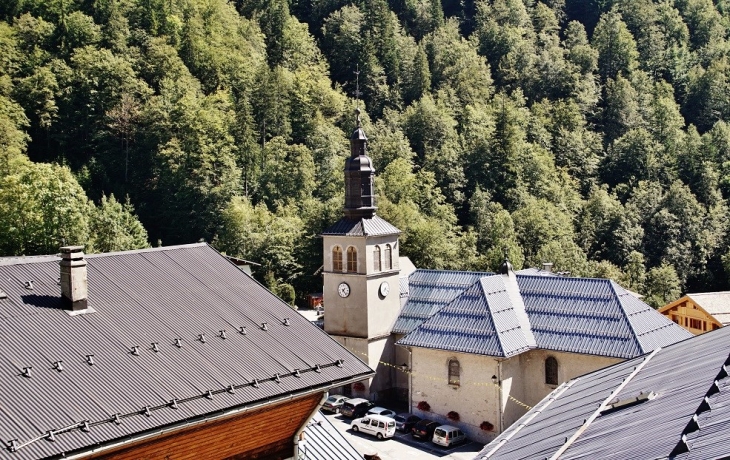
334, 403
424, 429
381, 411
405, 421
355, 407
377, 425
447, 435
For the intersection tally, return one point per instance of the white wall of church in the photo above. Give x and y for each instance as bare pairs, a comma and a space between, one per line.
570, 366
476, 399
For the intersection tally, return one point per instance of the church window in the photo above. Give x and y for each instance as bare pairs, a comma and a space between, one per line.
337, 259
376, 259
351, 259
454, 372
551, 371
388, 257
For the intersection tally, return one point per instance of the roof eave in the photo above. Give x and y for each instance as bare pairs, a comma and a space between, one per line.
210, 417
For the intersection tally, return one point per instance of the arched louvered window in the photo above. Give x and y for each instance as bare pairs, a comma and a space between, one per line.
388, 257
454, 372
376, 259
337, 259
351, 259
551, 371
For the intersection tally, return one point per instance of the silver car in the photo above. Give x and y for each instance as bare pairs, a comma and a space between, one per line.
334, 403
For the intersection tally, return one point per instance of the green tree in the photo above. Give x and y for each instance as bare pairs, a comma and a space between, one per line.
42, 207
616, 47
254, 233
13, 138
662, 285
114, 227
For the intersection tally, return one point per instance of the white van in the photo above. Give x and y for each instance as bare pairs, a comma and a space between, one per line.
447, 435
376, 425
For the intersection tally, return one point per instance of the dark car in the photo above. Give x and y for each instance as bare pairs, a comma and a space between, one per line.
356, 407
424, 429
334, 403
405, 421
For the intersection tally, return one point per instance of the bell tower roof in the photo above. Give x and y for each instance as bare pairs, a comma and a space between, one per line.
359, 176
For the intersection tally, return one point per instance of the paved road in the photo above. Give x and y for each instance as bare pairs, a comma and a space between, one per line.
402, 446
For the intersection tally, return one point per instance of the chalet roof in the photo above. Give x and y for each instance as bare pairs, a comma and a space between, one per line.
148, 299
715, 303
373, 226
683, 391
578, 315
322, 441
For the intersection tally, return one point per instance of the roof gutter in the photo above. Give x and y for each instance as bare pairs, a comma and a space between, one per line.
298, 434
206, 419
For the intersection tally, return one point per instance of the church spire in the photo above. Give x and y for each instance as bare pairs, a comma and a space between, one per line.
359, 171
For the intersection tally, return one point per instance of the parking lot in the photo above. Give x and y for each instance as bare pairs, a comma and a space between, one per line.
403, 446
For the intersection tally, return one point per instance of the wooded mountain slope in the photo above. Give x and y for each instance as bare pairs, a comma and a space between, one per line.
589, 134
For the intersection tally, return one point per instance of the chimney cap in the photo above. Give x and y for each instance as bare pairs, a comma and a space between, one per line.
70, 249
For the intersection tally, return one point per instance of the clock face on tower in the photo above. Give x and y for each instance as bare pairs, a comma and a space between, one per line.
384, 289
343, 290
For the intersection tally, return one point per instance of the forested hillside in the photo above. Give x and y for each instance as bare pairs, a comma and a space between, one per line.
588, 133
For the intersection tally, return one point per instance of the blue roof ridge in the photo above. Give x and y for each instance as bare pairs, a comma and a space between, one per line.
634, 334
489, 311
604, 404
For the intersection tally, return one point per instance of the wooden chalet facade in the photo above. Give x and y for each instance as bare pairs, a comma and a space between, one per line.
699, 313
263, 434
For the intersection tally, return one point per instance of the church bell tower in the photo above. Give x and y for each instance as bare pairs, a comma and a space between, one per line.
361, 289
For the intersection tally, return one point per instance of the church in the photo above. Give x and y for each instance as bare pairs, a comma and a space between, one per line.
473, 349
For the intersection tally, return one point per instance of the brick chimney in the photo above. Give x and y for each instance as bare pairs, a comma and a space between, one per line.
547, 267
74, 284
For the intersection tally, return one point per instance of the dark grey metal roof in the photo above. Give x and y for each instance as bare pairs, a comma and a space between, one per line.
482, 320
689, 378
428, 292
374, 226
322, 441
578, 315
140, 298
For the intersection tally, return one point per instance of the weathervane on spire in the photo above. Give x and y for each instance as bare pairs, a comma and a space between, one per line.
357, 93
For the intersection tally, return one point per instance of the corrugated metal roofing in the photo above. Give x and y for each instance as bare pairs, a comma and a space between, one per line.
429, 292
142, 298
322, 441
715, 303
482, 320
593, 316
577, 315
374, 226
690, 378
